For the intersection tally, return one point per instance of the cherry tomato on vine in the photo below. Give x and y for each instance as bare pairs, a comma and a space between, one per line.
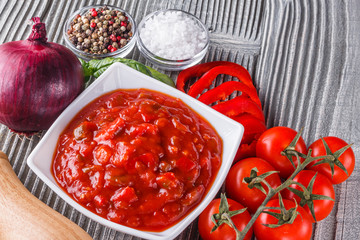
273, 142
205, 224
347, 159
321, 186
238, 190
300, 229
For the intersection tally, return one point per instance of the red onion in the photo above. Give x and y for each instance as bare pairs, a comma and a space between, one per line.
38, 79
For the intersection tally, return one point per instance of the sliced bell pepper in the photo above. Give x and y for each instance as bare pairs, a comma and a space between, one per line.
205, 81
224, 90
245, 151
246, 108
198, 70
239, 105
253, 127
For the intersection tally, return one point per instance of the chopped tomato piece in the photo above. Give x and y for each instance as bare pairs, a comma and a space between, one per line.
158, 219
97, 180
133, 221
168, 181
161, 122
170, 187
129, 112
84, 131
165, 166
151, 204
185, 164
73, 170
91, 168
116, 216
193, 195
142, 129
179, 126
123, 197
110, 130
149, 179
82, 191
124, 151
100, 200
117, 177
103, 154
172, 210
149, 160
86, 150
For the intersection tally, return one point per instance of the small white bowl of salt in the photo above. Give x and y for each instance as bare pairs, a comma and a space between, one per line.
172, 39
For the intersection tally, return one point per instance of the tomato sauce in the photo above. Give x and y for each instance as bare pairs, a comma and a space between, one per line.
139, 158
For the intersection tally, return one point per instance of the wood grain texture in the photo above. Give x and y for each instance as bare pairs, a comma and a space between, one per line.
302, 54
23, 216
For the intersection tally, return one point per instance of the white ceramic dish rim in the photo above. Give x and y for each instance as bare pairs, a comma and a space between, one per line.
36, 160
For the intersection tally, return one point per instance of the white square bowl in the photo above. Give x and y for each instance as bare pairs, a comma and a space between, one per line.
120, 76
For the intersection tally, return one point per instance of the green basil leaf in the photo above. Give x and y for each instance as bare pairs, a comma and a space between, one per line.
96, 67
86, 69
96, 64
161, 76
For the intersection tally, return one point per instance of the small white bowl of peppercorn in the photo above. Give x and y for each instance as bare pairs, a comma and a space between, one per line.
96, 32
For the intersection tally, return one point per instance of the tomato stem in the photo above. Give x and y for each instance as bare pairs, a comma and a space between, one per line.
228, 218
224, 216
271, 192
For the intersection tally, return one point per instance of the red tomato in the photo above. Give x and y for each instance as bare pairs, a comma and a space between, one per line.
300, 229
238, 190
347, 159
322, 186
224, 231
272, 142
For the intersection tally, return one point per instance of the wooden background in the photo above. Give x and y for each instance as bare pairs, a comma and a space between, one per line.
302, 54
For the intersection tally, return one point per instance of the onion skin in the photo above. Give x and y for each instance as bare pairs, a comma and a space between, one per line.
38, 80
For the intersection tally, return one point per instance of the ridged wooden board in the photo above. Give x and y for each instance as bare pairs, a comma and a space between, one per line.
302, 54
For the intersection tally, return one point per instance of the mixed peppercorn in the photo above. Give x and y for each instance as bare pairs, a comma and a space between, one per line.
100, 31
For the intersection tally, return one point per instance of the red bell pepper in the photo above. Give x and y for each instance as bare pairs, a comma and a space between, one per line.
253, 127
222, 91
200, 69
205, 81
239, 105
245, 151
246, 108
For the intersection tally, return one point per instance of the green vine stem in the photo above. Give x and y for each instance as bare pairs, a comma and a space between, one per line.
231, 223
224, 215
271, 192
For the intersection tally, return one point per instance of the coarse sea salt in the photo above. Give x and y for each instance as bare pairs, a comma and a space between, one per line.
173, 35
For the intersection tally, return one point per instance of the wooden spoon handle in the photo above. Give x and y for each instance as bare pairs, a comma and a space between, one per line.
23, 216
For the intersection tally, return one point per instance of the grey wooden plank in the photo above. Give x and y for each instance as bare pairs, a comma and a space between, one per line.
307, 78
347, 125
